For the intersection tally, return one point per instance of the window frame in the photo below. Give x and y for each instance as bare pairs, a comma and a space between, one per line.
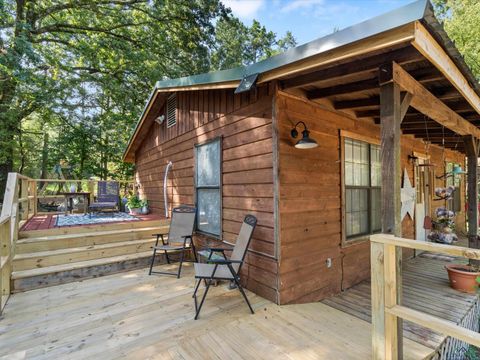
219, 187
353, 239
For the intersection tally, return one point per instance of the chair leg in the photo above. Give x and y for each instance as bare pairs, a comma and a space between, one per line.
243, 293
203, 299
197, 285
181, 263
151, 262
166, 255
194, 252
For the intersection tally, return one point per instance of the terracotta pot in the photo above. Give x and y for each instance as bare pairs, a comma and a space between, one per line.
465, 281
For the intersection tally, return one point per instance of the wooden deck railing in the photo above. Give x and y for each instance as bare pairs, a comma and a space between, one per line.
20, 203
385, 309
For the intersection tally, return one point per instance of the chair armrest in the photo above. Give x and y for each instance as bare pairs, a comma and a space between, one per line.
225, 261
160, 234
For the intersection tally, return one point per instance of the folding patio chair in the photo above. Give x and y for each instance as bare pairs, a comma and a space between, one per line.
179, 238
225, 269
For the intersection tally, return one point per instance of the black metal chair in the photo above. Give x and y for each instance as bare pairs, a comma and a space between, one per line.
223, 268
179, 238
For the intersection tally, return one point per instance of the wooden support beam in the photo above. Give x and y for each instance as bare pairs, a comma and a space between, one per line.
343, 89
431, 49
356, 104
369, 64
390, 133
406, 100
425, 102
472, 147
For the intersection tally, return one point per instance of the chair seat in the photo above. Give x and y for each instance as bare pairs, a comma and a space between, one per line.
206, 271
102, 205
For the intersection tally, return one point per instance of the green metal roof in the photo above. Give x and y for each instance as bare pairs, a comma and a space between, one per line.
420, 10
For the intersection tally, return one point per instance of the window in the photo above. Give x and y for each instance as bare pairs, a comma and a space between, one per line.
362, 171
208, 186
171, 110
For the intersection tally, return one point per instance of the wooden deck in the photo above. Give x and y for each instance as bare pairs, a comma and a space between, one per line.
48, 221
425, 288
133, 315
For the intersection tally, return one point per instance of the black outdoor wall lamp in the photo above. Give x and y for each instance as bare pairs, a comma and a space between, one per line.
305, 142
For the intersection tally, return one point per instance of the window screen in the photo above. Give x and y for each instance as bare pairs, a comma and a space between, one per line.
207, 185
362, 169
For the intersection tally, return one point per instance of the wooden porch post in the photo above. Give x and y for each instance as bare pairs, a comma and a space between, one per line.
472, 148
392, 109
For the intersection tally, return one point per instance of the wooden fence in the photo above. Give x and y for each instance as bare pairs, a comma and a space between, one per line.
385, 309
20, 203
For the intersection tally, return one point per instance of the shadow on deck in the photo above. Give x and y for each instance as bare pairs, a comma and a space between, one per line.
425, 288
133, 315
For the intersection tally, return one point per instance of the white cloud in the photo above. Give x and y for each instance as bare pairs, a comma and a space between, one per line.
244, 9
301, 4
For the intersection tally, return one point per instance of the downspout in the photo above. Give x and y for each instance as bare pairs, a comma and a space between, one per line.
165, 197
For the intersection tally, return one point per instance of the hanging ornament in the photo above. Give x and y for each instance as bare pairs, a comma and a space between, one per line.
407, 197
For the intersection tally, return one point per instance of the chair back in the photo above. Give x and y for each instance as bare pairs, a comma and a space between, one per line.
243, 240
181, 223
108, 191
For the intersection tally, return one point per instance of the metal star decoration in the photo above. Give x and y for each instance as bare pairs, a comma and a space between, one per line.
407, 196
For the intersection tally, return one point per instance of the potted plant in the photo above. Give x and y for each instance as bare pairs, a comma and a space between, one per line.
135, 205
145, 209
463, 277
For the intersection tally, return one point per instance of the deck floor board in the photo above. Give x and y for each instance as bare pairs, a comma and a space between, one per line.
132, 315
425, 288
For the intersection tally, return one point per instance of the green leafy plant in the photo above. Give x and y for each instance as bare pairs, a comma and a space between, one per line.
144, 202
134, 202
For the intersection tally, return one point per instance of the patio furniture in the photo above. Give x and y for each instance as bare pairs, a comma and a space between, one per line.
107, 197
179, 238
225, 269
68, 202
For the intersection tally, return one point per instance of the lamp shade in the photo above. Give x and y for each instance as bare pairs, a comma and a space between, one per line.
306, 142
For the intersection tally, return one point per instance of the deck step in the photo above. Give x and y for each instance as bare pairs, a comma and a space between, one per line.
58, 242
66, 230
31, 279
71, 255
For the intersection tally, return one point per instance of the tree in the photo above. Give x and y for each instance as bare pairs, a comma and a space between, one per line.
461, 19
237, 44
50, 50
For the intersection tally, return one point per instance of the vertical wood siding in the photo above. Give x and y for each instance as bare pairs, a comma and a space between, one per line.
310, 202
245, 123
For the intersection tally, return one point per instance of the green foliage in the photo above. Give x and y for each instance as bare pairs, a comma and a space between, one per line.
74, 75
461, 19
134, 202
237, 44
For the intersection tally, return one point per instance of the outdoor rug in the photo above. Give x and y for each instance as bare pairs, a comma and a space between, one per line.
85, 219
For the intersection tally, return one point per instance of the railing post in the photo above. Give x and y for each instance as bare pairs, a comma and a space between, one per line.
91, 189
391, 321
35, 197
24, 194
378, 300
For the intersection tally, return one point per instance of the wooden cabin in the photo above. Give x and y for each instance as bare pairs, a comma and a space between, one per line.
385, 99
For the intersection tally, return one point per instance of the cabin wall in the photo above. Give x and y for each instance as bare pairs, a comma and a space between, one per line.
310, 197
244, 122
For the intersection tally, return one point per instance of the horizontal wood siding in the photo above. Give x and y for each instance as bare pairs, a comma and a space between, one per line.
245, 123
310, 202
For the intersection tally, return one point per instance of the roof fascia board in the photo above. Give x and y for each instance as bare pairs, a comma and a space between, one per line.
431, 49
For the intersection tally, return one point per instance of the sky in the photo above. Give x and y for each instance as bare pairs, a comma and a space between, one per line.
309, 19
